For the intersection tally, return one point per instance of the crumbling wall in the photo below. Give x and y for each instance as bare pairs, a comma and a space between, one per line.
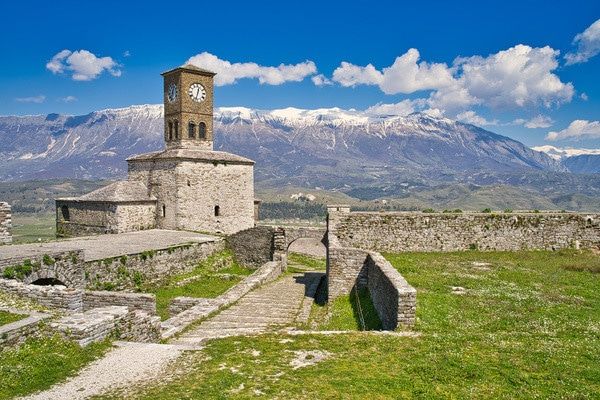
5, 224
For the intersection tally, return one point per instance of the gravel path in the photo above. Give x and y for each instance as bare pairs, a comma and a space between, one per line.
127, 364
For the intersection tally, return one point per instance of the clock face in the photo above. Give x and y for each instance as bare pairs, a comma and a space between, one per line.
197, 92
172, 92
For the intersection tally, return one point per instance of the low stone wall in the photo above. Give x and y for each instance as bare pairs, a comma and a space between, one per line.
394, 299
134, 301
128, 271
180, 304
112, 321
266, 273
58, 297
5, 223
345, 269
16, 332
65, 266
252, 247
404, 231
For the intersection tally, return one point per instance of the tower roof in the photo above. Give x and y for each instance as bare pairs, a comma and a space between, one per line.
190, 68
118, 192
209, 156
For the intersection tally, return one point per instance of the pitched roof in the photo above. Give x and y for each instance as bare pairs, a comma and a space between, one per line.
191, 68
193, 155
118, 192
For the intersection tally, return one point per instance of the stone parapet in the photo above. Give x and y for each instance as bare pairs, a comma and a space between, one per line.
57, 297
133, 301
16, 332
393, 298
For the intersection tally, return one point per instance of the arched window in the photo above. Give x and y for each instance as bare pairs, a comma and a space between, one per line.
217, 211
176, 129
201, 130
170, 130
64, 210
191, 130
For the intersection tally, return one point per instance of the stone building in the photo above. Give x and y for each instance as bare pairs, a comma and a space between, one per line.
186, 186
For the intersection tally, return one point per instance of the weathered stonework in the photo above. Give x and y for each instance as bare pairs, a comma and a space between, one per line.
64, 266
112, 321
5, 224
16, 332
403, 231
54, 297
133, 301
128, 271
393, 298
253, 247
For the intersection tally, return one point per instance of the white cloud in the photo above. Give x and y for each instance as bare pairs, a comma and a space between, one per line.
68, 99
82, 64
517, 77
321, 80
126, 53
229, 73
405, 75
470, 117
577, 129
588, 45
402, 108
33, 99
584, 97
539, 121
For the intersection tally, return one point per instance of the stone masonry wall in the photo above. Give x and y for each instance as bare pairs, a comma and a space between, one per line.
5, 224
128, 271
253, 247
134, 301
58, 297
399, 232
393, 298
66, 266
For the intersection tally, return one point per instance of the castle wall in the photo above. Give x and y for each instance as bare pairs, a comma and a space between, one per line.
136, 217
5, 224
400, 232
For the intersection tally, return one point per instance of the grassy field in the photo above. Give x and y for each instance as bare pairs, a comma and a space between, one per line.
491, 325
40, 363
28, 228
209, 279
7, 318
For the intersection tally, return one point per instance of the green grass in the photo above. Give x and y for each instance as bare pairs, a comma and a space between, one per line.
29, 228
7, 317
209, 281
307, 262
525, 326
343, 314
40, 363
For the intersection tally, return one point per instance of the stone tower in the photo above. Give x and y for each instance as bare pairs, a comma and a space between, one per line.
188, 99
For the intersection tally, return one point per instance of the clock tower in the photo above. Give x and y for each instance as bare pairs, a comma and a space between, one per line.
188, 99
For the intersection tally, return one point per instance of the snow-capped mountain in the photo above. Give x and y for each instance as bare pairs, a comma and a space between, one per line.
329, 148
578, 161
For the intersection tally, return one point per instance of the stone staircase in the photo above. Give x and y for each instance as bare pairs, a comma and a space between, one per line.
272, 306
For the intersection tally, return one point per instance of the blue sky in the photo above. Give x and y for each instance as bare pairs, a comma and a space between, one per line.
497, 64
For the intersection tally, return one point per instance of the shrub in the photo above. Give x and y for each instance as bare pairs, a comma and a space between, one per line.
486, 210
47, 260
508, 210
428, 210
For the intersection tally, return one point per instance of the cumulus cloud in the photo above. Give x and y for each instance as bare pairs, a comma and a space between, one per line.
588, 45
402, 108
321, 80
579, 128
82, 65
405, 75
33, 99
229, 73
516, 77
539, 121
471, 117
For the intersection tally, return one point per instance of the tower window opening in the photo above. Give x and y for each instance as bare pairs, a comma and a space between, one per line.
176, 129
217, 211
191, 130
64, 210
164, 210
201, 130
170, 130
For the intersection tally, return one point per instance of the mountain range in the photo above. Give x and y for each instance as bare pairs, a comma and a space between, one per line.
363, 155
